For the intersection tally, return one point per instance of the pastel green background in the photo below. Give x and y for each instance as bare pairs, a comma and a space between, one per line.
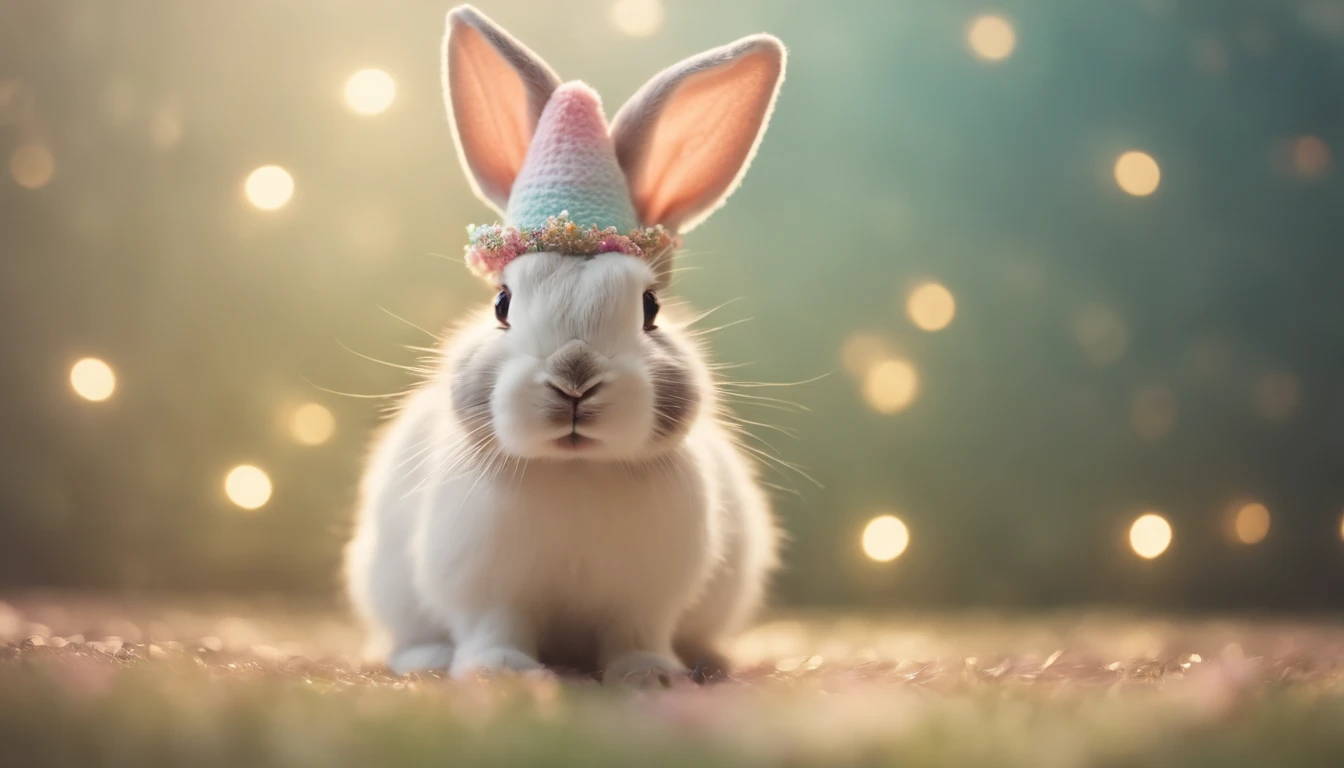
895, 157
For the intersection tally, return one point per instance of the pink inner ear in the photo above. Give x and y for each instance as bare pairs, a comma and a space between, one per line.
492, 111
702, 140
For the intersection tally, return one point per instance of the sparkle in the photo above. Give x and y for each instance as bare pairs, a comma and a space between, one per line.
890, 386
885, 538
269, 187
16, 101
1137, 173
637, 18
492, 247
165, 128
1210, 55
93, 379
1153, 413
32, 166
248, 487
1311, 156
931, 307
370, 91
312, 424
861, 351
1101, 333
992, 38
1150, 535
1252, 523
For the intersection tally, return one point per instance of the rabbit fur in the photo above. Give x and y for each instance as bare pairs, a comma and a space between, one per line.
562, 490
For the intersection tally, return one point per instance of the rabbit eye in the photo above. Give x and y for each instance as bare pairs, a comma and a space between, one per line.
650, 310
502, 308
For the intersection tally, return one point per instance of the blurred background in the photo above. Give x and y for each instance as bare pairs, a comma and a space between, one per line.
1070, 275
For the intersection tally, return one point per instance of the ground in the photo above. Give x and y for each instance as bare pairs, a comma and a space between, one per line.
106, 681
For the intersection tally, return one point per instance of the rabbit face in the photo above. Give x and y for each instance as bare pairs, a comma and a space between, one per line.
575, 367
574, 370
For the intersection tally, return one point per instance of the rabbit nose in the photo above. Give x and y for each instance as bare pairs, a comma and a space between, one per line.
574, 396
575, 370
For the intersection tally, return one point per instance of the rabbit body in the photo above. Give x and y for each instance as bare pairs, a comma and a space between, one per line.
563, 489
581, 564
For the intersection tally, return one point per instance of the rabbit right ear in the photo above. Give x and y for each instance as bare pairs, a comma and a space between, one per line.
686, 138
494, 89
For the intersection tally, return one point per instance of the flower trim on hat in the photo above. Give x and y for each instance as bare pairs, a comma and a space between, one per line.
491, 247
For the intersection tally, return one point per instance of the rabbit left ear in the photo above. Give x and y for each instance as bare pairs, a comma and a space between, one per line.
686, 138
495, 90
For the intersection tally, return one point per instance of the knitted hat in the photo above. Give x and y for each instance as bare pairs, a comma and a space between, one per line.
540, 151
571, 166
570, 196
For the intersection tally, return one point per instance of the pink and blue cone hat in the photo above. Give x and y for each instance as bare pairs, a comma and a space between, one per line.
570, 196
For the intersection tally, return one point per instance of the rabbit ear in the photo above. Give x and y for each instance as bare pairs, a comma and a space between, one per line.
686, 139
495, 89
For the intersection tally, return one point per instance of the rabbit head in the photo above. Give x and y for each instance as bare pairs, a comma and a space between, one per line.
575, 359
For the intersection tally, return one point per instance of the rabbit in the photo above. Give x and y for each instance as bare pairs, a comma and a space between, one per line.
562, 490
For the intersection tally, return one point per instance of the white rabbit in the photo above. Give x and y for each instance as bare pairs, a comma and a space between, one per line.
562, 490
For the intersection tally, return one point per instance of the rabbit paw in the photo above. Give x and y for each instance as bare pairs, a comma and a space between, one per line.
492, 660
645, 669
420, 658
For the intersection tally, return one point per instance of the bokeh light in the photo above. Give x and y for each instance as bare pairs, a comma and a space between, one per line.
1150, 535
370, 91
861, 351
1153, 412
1311, 156
165, 128
1101, 333
312, 424
637, 18
931, 307
1137, 173
248, 486
1158, 339
890, 386
1211, 55
885, 538
93, 379
269, 187
1252, 523
991, 38
16, 101
32, 166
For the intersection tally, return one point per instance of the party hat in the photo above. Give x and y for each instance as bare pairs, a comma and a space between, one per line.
571, 166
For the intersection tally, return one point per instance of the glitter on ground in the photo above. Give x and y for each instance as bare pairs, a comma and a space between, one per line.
1064, 689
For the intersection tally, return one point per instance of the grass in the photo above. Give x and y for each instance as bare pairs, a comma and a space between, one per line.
98, 682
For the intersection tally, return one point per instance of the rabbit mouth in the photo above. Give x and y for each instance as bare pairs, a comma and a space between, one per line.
576, 442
